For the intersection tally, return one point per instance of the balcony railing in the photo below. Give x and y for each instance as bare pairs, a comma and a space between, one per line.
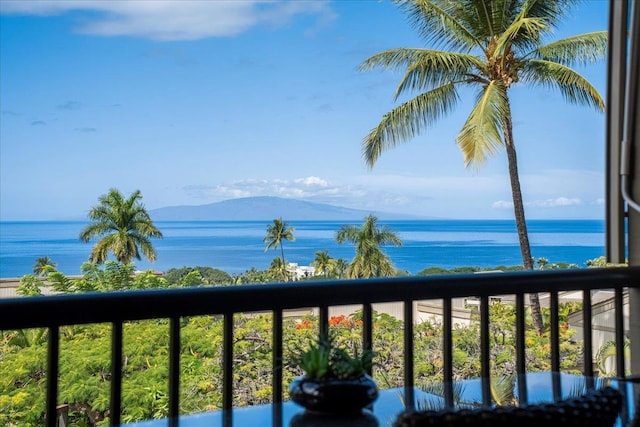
52, 312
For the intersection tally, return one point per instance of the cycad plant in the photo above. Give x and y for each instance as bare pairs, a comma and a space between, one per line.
488, 46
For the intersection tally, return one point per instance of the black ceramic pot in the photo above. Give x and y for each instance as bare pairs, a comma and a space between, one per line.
334, 396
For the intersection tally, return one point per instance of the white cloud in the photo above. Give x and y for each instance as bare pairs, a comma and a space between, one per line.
173, 19
559, 201
312, 181
502, 204
301, 188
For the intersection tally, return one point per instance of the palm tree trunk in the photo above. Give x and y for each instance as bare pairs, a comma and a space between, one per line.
518, 208
284, 267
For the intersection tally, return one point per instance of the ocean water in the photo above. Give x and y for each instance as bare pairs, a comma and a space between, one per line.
235, 246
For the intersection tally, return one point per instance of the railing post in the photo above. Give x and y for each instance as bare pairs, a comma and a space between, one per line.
620, 365
116, 373
409, 395
521, 351
53, 354
555, 345
227, 371
587, 338
174, 371
447, 352
485, 350
323, 322
277, 368
367, 329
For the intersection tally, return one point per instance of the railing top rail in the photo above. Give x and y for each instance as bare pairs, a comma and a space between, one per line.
67, 309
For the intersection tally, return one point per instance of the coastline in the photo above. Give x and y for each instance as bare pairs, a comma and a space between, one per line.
236, 246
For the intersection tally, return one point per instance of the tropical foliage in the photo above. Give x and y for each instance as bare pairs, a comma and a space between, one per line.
605, 358
124, 226
322, 262
208, 275
602, 262
43, 265
278, 269
489, 47
112, 276
370, 260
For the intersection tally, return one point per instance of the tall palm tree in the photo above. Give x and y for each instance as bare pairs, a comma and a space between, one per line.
491, 46
125, 227
276, 234
322, 262
370, 260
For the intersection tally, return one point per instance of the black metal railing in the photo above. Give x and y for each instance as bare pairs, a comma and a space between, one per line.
52, 312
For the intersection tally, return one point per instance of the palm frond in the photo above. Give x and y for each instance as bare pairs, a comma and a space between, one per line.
489, 18
347, 233
426, 68
145, 227
436, 388
439, 22
504, 12
392, 59
581, 49
437, 68
147, 248
485, 18
524, 32
573, 87
100, 250
408, 120
96, 229
387, 237
551, 11
481, 135
503, 390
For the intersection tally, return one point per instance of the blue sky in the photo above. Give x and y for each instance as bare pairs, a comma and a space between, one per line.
194, 102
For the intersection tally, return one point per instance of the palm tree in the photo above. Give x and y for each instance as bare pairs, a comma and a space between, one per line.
369, 260
492, 46
322, 262
276, 233
43, 266
339, 267
278, 269
125, 227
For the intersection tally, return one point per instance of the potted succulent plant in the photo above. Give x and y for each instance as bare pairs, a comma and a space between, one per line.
334, 381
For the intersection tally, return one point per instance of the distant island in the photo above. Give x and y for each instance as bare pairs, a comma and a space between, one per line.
266, 208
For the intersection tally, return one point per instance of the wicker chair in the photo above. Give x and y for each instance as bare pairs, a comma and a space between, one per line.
597, 408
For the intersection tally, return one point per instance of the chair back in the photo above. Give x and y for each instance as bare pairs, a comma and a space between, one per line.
597, 408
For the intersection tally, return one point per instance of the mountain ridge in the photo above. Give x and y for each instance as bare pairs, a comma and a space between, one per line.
266, 208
